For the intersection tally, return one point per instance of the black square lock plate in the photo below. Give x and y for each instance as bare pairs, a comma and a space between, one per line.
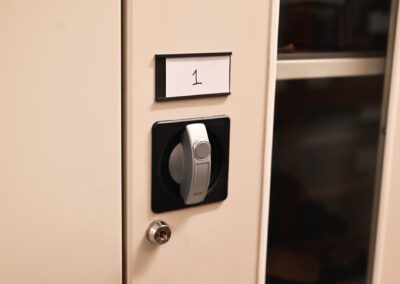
165, 193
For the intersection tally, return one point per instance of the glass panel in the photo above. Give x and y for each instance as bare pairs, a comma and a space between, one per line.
322, 187
330, 27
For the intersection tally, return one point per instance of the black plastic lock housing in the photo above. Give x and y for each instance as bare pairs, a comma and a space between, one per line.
165, 192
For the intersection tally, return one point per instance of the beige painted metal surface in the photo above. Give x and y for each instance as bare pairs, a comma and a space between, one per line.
60, 153
387, 255
216, 243
268, 138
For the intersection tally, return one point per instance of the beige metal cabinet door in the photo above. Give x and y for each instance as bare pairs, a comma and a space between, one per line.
222, 242
60, 142
215, 243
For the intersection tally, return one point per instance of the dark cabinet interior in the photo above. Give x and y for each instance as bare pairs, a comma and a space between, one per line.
325, 150
333, 28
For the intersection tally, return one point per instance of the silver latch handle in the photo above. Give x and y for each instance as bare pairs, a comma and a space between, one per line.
190, 163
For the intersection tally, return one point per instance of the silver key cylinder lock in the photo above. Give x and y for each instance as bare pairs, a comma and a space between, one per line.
158, 233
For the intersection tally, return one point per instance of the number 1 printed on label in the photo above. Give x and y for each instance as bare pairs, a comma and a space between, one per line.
195, 78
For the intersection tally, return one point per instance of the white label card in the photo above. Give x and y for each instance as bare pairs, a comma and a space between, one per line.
194, 76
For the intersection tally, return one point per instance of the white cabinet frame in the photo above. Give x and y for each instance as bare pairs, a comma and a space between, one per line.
387, 181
